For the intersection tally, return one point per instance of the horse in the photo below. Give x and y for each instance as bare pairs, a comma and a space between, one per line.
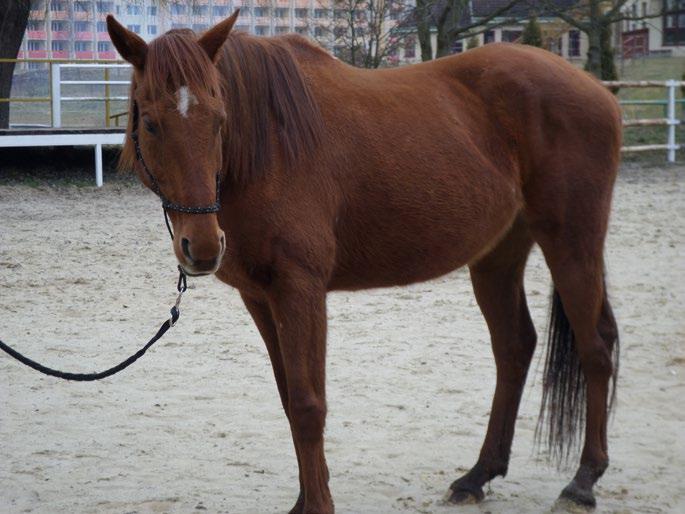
320, 176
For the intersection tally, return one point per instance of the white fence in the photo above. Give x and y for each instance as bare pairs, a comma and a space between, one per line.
57, 83
670, 120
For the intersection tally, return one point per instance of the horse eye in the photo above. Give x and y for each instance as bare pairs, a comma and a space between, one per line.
150, 125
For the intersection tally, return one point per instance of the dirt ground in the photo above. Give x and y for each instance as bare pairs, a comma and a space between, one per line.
87, 275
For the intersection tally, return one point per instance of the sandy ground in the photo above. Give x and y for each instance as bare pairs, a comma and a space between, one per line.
87, 275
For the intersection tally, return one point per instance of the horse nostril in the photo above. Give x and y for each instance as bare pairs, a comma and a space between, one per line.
185, 246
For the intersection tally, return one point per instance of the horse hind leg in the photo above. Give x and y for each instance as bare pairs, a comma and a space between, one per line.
583, 333
498, 285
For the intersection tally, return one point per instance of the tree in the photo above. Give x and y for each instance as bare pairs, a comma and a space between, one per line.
366, 33
595, 18
532, 34
14, 16
453, 21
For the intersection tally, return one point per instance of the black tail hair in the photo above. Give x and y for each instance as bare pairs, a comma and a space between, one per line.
562, 413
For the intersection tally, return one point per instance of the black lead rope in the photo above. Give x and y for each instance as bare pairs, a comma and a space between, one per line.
181, 286
89, 377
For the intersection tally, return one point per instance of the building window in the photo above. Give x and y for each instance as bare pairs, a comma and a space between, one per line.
134, 28
58, 46
574, 43
220, 10
36, 45
319, 13
302, 31
102, 26
58, 26
178, 9
200, 10
300, 13
458, 46
281, 30
81, 46
511, 36
674, 22
319, 31
261, 12
132, 9
410, 47
261, 30
177, 26
81, 26
81, 7
152, 10
104, 46
104, 6
56, 5
488, 37
34, 25
152, 30
281, 12
200, 27
242, 28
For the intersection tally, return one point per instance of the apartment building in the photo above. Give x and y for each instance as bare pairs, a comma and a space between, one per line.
76, 29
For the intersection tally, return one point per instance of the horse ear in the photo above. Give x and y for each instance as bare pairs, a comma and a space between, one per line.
130, 45
212, 40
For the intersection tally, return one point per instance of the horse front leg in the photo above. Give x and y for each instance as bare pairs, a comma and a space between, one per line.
263, 318
298, 305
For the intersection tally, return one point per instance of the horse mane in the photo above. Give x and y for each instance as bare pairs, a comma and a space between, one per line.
268, 101
263, 90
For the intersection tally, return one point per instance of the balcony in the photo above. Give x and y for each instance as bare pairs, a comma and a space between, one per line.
61, 35
109, 54
37, 54
59, 15
86, 54
36, 34
59, 54
83, 36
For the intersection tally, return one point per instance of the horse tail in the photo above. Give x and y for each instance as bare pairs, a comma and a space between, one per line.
562, 412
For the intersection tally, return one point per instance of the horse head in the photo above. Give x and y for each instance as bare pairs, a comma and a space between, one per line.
174, 136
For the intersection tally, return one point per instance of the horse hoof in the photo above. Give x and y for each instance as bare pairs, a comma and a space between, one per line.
464, 496
576, 499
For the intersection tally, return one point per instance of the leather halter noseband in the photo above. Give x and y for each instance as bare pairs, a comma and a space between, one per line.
168, 205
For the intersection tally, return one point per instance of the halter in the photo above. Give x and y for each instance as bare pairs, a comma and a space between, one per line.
168, 205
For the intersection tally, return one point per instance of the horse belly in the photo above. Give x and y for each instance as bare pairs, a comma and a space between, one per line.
417, 226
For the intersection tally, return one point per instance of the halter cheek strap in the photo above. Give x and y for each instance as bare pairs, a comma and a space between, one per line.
168, 205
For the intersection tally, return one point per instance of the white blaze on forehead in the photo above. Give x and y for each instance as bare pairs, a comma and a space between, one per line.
185, 100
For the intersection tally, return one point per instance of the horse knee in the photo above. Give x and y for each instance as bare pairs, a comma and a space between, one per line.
307, 416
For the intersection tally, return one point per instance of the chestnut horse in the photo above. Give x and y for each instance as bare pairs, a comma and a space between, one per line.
336, 178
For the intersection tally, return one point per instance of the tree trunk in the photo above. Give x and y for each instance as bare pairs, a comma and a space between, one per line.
607, 54
444, 42
14, 16
594, 52
423, 29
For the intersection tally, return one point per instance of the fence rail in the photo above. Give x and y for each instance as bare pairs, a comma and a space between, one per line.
670, 121
56, 98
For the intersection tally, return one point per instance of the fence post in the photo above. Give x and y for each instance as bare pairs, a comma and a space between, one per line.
672, 121
98, 165
56, 94
107, 92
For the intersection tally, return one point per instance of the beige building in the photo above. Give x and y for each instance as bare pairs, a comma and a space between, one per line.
660, 34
